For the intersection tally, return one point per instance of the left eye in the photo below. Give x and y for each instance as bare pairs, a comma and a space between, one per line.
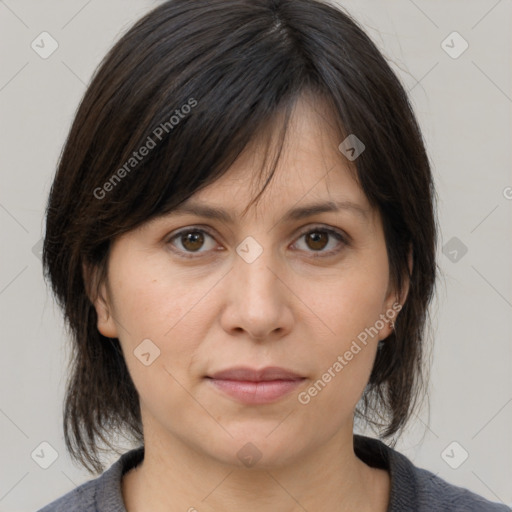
316, 240
193, 240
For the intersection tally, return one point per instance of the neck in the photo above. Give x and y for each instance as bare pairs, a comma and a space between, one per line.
173, 477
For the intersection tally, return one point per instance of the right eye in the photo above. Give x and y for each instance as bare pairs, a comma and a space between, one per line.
190, 241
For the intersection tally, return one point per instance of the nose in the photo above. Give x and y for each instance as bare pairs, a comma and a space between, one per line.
257, 300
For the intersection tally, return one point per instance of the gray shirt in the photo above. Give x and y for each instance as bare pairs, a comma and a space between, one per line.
412, 489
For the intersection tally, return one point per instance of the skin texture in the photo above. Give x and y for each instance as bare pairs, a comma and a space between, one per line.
287, 308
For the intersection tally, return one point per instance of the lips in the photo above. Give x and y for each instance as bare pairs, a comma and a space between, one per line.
251, 375
255, 387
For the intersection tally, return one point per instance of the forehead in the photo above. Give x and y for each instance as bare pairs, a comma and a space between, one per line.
310, 167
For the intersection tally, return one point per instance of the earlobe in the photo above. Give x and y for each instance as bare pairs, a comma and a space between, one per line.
99, 298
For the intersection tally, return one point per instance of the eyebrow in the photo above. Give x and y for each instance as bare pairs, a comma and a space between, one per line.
298, 213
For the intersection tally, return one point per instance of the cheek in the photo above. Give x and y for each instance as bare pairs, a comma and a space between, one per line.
164, 321
350, 305
151, 299
172, 312
343, 361
350, 302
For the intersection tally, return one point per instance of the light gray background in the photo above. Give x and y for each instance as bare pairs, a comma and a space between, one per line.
464, 108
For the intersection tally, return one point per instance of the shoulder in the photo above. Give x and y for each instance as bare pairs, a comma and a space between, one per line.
82, 498
434, 494
102, 494
417, 489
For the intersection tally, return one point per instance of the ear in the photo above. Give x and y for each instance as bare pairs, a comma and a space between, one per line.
97, 292
392, 300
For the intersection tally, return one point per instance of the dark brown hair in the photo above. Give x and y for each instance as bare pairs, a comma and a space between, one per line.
201, 80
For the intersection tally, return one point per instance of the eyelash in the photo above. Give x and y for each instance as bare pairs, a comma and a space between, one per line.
314, 254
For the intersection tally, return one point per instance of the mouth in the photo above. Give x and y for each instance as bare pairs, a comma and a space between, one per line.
256, 387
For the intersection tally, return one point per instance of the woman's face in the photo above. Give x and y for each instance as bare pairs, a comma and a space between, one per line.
191, 295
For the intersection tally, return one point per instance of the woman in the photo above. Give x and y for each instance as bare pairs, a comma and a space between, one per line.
242, 235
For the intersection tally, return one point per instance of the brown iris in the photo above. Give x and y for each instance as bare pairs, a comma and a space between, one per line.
192, 240
317, 240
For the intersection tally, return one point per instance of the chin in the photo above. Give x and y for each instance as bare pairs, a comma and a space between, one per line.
255, 447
